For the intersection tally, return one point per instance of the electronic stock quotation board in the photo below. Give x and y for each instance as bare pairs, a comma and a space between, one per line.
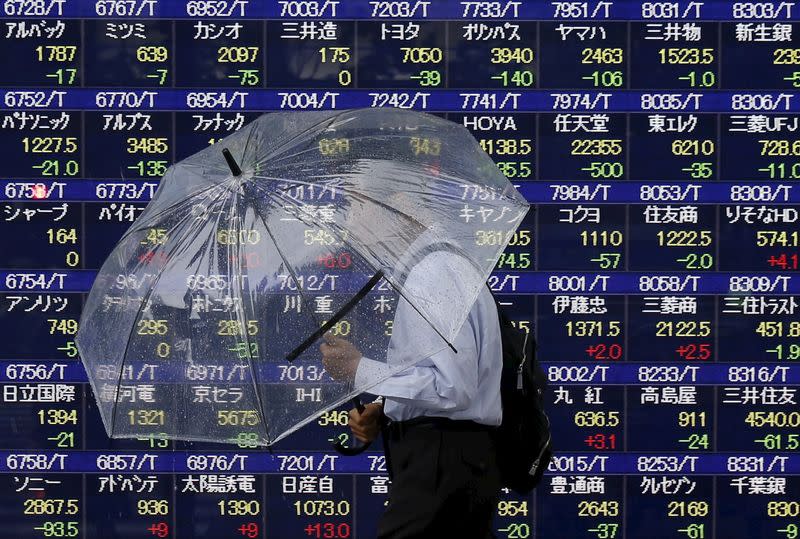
657, 142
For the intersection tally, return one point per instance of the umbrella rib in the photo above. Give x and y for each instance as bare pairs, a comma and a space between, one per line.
184, 198
304, 132
224, 170
237, 265
280, 253
444, 179
346, 190
334, 229
136, 227
140, 309
350, 139
247, 143
398, 289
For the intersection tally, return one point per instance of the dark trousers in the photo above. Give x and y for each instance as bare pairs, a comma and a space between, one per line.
445, 483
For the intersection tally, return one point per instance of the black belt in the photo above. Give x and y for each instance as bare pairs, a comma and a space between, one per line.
398, 429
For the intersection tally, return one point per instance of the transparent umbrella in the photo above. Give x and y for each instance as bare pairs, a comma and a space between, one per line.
205, 321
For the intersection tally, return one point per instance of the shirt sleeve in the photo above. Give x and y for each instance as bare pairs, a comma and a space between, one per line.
446, 381
450, 383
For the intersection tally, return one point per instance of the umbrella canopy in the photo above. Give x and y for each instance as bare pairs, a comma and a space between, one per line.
204, 322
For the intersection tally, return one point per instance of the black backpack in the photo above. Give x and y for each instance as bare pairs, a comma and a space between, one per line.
522, 441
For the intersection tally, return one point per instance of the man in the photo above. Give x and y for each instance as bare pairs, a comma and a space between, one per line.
445, 481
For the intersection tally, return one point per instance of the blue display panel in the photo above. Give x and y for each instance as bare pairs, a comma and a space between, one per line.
658, 267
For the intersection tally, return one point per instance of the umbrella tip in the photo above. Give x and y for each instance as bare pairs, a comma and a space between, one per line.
234, 166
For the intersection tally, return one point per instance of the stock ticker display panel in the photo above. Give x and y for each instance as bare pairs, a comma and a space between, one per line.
657, 141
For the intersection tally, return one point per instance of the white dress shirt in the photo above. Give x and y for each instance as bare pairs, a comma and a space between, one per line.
462, 385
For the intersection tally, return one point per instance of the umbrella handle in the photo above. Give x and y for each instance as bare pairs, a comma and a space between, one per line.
356, 449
